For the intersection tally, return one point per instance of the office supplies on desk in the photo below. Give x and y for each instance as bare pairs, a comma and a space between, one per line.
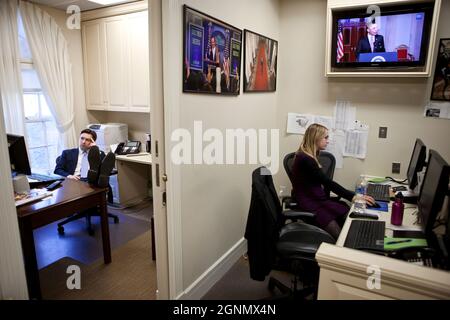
53, 186
399, 243
363, 215
31, 196
399, 188
382, 206
377, 180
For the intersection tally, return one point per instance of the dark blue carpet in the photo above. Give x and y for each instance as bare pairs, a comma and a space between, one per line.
78, 244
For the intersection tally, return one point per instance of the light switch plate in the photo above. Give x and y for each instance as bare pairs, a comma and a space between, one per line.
395, 167
382, 133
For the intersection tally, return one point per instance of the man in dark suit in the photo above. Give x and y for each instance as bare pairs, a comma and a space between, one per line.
372, 42
87, 162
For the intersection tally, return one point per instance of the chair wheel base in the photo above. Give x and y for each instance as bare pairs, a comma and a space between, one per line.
61, 230
116, 220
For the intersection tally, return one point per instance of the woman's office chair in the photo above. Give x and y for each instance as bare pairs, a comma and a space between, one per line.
328, 163
275, 245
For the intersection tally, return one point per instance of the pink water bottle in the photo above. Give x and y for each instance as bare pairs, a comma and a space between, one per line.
397, 210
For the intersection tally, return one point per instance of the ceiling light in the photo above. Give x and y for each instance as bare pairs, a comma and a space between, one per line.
106, 2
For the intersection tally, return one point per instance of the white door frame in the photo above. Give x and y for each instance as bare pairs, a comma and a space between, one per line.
171, 27
13, 284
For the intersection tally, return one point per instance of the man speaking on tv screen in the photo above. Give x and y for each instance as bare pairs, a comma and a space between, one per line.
371, 42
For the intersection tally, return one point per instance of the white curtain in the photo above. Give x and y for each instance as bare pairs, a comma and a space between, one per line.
10, 75
51, 59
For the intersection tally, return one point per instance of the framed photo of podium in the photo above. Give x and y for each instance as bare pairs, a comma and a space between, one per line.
441, 80
260, 61
211, 54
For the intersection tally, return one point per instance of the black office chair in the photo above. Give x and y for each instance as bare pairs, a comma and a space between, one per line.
89, 213
328, 163
275, 245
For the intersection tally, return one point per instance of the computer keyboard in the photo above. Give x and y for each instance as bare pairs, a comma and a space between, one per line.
380, 192
366, 234
42, 178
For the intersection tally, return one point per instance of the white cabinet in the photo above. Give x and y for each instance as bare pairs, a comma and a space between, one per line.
116, 63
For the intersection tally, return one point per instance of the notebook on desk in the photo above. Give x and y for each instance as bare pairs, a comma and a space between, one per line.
31, 196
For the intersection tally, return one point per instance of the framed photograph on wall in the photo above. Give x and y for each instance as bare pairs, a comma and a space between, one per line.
441, 80
211, 54
260, 62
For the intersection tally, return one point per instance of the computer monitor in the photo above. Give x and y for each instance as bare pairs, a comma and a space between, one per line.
416, 163
433, 191
18, 156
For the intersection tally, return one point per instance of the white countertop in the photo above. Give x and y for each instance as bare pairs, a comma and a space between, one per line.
143, 157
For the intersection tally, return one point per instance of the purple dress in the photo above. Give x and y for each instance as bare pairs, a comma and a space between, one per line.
308, 188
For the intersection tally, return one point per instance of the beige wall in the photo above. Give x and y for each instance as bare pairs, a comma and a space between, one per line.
215, 199
395, 103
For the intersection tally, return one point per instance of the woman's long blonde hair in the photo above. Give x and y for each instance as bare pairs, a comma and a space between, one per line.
313, 134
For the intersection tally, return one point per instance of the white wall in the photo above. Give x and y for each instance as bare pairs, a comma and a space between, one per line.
395, 103
215, 199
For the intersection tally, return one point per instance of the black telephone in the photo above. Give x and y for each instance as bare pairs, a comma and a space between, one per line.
419, 255
129, 147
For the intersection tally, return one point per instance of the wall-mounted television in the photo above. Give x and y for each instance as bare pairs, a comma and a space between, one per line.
396, 39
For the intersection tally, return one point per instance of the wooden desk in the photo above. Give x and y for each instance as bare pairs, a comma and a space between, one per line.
344, 271
72, 197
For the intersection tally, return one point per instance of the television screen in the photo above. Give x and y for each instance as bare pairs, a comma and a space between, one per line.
398, 37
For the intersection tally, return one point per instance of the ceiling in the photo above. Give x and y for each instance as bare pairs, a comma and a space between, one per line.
83, 4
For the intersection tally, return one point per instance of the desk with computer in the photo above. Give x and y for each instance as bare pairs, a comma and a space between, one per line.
411, 260
66, 199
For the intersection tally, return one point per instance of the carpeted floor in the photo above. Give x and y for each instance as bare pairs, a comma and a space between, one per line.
78, 244
236, 284
130, 276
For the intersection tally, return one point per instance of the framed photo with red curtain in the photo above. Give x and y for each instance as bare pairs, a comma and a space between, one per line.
260, 62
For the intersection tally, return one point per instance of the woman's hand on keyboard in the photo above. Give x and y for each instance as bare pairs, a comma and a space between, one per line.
369, 200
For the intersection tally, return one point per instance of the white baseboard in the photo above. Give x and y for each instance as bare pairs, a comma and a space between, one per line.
214, 273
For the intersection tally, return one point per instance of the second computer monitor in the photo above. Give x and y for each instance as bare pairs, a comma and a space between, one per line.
433, 190
416, 163
18, 155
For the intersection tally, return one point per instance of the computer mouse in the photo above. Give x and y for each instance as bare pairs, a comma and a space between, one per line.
375, 205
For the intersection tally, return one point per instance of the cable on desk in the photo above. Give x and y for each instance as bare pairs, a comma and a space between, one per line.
397, 181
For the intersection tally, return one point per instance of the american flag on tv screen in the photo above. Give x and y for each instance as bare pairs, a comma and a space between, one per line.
340, 44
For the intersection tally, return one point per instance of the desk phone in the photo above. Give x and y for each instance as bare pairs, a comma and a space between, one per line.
418, 255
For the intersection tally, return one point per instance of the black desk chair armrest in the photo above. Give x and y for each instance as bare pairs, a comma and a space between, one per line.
295, 214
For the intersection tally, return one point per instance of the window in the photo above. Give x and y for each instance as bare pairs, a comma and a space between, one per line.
41, 132
40, 128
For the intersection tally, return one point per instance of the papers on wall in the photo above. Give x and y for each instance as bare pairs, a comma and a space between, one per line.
298, 123
325, 121
356, 141
336, 143
437, 110
348, 137
344, 115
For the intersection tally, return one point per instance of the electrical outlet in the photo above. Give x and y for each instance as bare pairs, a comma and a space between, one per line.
395, 167
382, 133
